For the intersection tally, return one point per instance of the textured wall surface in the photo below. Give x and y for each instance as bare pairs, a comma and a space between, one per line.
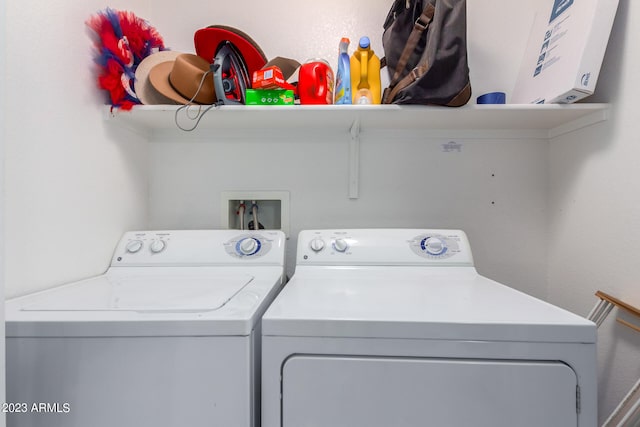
71, 187
594, 212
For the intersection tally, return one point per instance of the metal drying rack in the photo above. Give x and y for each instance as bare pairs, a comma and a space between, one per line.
606, 304
627, 413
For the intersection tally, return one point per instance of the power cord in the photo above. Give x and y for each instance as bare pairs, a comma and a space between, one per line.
200, 113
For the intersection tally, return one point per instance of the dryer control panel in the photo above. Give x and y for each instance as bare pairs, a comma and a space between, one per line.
436, 245
199, 247
384, 247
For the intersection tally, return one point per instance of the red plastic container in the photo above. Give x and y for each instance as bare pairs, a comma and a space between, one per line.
315, 82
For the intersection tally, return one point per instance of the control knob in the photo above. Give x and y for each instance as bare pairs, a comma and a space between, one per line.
433, 245
249, 246
317, 244
340, 245
134, 246
158, 246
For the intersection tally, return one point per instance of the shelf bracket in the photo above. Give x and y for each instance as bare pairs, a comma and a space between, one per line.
354, 159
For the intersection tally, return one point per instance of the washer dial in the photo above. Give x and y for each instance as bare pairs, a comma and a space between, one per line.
134, 246
248, 246
158, 246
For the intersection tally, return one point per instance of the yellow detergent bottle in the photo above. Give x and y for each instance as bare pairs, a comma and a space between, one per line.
365, 74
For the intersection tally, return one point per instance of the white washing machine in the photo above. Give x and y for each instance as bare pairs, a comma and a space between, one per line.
168, 336
380, 328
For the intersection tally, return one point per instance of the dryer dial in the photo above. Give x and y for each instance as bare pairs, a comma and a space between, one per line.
340, 245
434, 246
317, 244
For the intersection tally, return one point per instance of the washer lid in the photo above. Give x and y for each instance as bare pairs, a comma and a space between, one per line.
150, 294
416, 303
149, 301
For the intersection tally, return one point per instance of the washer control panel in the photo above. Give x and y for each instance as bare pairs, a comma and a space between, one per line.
384, 247
248, 245
199, 247
146, 243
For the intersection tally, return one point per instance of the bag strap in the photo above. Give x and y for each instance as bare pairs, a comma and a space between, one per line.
391, 92
420, 26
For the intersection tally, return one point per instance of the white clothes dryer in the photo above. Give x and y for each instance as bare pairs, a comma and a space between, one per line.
168, 336
381, 328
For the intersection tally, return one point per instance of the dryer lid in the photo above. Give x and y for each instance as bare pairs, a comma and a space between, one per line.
416, 303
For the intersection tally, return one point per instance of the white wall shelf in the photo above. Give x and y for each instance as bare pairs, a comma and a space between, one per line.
544, 122
473, 121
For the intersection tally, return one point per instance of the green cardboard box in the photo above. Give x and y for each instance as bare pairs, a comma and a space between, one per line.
269, 97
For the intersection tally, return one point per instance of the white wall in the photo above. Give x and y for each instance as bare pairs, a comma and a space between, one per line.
495, 190
594, 209
71, 186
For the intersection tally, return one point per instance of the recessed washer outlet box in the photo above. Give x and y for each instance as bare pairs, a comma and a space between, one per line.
273, 209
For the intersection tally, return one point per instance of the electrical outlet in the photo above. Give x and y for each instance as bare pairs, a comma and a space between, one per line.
273, 209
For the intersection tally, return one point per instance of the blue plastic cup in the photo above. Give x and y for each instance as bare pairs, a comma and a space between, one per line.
492, 98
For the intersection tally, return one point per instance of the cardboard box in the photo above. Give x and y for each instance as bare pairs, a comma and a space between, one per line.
269, 97
563, 57
269, 78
